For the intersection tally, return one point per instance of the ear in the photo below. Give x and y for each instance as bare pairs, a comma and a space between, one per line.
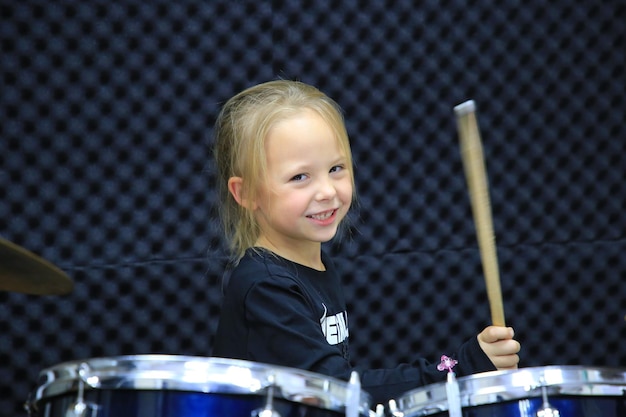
235, 186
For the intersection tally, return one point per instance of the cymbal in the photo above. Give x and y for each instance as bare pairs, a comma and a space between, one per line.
23, 271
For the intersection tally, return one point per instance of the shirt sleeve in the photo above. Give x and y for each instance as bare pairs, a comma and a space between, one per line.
384, 384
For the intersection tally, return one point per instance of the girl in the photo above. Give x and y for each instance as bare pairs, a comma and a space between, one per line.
286, 183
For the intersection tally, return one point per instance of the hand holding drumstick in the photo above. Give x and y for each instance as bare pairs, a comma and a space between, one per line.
498, 344
496, 341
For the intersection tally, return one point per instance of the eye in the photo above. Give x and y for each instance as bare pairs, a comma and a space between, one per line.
336, 168
299, 177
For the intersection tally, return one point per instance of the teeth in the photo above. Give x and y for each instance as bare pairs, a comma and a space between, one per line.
322, 216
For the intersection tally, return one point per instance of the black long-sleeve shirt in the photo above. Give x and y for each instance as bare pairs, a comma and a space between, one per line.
279, 312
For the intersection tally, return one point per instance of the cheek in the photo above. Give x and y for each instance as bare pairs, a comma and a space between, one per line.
346, 192
289, 203
297, 201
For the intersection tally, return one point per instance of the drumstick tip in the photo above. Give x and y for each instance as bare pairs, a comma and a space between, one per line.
464, 108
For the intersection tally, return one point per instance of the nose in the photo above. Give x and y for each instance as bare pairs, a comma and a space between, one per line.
325, 189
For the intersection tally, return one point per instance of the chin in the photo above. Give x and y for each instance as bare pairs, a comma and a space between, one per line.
328, 238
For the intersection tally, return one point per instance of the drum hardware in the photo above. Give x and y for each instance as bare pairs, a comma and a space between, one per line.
393, 408
454, 396
79, 408
268, 410
546, 409
353, 395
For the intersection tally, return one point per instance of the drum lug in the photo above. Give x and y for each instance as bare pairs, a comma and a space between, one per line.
546, 409
80, 408
30, 406
393, 409
268, 410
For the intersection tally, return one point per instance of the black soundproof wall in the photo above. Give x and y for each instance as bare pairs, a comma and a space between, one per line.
106, 114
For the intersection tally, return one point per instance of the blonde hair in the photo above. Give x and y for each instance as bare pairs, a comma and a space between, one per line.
239, 149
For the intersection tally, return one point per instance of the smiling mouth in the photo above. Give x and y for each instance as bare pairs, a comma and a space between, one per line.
323, 216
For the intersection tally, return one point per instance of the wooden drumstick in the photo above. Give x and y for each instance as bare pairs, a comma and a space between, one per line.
475, 172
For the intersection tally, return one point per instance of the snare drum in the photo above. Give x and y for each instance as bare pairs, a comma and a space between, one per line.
573, 391
184, 386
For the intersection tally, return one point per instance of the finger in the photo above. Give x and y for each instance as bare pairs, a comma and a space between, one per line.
504, 347
492, 334
506, 368
505, 362
503, 354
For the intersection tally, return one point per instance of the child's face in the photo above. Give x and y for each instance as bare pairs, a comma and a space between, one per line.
309, 187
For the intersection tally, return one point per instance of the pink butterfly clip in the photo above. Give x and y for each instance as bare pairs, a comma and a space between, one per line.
446, 363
